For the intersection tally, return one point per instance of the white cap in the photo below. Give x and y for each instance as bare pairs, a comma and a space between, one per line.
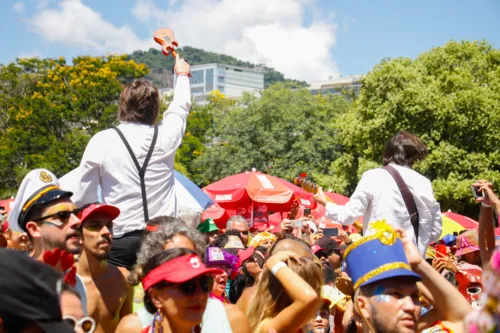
39, 186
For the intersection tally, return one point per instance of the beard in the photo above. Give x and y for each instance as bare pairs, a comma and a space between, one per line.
380, 324
103, 255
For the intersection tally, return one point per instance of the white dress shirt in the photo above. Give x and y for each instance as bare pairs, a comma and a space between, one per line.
107, 162
377, 197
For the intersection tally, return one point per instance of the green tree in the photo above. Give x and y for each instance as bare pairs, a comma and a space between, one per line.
49, 110
284, 132
450, 97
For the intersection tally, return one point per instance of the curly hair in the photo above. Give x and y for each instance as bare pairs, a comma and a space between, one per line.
154, 243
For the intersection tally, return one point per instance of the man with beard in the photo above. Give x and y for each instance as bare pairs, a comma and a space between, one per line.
385, 268
109, 295
46, 213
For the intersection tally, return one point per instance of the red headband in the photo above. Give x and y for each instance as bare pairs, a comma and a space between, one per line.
178, 270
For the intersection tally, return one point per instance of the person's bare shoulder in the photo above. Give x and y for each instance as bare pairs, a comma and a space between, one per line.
237, 319
246, 297
129, 324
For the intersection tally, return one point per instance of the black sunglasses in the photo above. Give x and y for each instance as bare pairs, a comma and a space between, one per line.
188, 288
64, 215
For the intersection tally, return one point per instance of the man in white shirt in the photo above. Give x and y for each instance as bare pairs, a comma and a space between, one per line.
108, 162
377, 196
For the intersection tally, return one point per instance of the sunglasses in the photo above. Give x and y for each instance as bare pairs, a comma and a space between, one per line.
87, 324
62, 216
189, 288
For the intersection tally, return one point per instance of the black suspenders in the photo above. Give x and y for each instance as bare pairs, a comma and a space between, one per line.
142, 170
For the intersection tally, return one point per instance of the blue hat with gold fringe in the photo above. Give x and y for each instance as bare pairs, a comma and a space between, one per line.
377, 257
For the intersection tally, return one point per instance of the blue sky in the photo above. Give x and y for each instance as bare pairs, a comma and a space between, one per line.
305, 39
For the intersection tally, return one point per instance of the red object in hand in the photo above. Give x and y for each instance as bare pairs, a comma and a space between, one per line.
441, 249
166, 38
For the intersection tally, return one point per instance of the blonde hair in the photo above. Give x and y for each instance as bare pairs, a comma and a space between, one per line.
271, 298
261, 237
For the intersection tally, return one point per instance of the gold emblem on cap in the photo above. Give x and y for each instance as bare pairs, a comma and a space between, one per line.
45, 177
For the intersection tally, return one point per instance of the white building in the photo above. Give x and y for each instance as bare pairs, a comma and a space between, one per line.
232, 81
336, 86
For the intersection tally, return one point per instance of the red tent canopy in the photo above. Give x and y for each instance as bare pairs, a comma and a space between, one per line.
243, 189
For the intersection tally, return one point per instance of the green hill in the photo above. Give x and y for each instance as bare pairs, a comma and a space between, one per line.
161, 66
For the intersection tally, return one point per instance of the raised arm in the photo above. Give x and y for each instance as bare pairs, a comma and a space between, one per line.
304, 297
174, 119
448, 301
486, 232
351, 211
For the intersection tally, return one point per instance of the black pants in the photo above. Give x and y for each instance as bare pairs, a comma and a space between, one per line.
124, 249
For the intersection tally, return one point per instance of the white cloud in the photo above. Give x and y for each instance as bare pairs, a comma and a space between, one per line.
31, 54
260, 31
18, 7
73, 23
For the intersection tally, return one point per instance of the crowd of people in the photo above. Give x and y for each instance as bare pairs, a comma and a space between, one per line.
130, 264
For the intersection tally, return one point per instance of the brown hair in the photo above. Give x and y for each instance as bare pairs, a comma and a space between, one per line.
139, 103
404, 148
271, 298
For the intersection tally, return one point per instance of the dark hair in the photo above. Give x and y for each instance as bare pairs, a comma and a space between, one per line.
244, 278
139, 103
329, 275
404, 148
240, 283
221, 241
155, 261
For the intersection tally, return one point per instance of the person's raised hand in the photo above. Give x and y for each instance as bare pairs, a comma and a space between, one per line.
320, 197
490, 198
319, 234
286, 225
443, 263
181, 66
411, 250
344, 237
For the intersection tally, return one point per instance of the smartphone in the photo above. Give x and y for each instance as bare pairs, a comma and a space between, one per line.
476, 192
307, 211
296, 223
331, 232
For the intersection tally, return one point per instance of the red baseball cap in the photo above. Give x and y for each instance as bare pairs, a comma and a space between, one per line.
91, 209
315, 248
179, 270
245, 254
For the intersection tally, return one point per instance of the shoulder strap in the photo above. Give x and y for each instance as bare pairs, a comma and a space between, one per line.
407, 198
141, 170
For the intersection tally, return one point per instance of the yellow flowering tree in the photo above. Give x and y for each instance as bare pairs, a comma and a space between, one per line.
49, 109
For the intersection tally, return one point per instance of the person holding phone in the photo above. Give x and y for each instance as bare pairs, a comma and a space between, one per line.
484, 194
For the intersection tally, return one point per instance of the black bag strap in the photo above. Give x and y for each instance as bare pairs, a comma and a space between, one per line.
407, 198
141, 170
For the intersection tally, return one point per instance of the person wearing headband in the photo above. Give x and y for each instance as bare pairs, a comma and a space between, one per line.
176, 286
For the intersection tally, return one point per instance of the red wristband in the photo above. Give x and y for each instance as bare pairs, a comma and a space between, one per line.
183, 74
